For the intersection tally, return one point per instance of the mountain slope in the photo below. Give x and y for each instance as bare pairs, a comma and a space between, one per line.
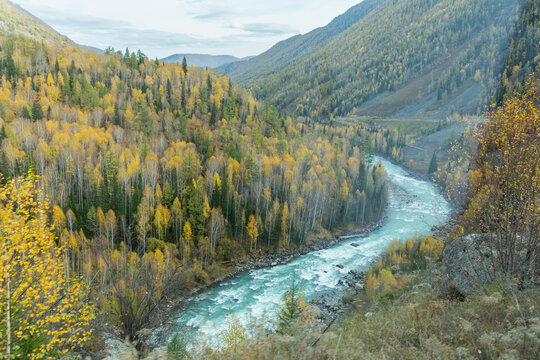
404, 58
523, 56
17, 21
201, 60
290, 51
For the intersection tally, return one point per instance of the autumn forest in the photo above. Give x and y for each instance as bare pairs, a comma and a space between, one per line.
129, 185
146, 161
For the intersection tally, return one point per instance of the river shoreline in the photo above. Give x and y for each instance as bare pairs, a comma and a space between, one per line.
410, 202
160, 329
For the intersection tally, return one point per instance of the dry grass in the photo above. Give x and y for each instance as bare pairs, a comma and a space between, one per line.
413, 321
421, 325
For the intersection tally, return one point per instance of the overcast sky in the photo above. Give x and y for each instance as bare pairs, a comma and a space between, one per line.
164, 27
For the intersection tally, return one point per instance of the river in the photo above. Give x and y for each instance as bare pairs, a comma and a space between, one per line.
414, 207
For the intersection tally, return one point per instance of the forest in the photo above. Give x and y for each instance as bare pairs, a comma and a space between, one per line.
159, 174
127, 183
523, 53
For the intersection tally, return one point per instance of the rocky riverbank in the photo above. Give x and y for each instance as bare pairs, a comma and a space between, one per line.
331, 306
156, 332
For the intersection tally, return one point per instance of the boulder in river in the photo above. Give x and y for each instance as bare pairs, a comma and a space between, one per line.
339, 266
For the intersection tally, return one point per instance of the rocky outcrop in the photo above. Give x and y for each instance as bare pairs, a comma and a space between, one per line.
467, 264
116, 349
470, 262
333, 304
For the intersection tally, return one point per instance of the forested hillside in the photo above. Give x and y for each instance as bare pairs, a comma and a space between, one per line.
119, 132
293, 50
16, 20
523, 56
404, 58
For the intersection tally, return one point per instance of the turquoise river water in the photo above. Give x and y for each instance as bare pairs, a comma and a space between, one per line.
414, 207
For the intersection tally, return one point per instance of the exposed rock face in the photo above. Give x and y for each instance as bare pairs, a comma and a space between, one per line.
116, 349
467, 264
157, 354
470, 262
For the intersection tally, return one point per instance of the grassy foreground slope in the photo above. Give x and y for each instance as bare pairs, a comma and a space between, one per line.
403, 315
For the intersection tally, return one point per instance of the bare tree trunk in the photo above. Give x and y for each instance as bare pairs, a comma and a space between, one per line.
8, 318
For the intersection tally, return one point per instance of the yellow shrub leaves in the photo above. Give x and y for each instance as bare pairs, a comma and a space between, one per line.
413, 254
43, 311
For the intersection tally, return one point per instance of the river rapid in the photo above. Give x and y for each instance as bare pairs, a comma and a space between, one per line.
414, 207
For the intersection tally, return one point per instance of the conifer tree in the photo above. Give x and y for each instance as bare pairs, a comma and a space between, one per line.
433, 166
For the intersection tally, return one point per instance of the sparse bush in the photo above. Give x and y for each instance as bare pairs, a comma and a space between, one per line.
177, 348
294, 307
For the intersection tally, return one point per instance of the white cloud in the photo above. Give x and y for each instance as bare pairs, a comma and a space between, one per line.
163, 27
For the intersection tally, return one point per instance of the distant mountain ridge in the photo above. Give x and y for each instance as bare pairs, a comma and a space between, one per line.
201, 60
384, 58
290, 51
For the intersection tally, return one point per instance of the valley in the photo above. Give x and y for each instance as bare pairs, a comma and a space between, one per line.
366, 190
415, 206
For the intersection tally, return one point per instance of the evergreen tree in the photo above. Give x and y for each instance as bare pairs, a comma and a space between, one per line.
433, 166
26, 112
169, 93
184, 65
37, 111
12, 70
195, 210
294, 305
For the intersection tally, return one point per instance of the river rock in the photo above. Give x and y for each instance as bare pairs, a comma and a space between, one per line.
355, 245
339, 266
157, 354
368, 315
348, 296
116, 349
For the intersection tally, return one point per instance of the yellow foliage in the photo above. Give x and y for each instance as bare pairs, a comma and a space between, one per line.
252, 230
36, 297
235, 334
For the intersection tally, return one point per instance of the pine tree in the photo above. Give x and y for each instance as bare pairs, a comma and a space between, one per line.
37, 111
433, 166
294, 306
184, 65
